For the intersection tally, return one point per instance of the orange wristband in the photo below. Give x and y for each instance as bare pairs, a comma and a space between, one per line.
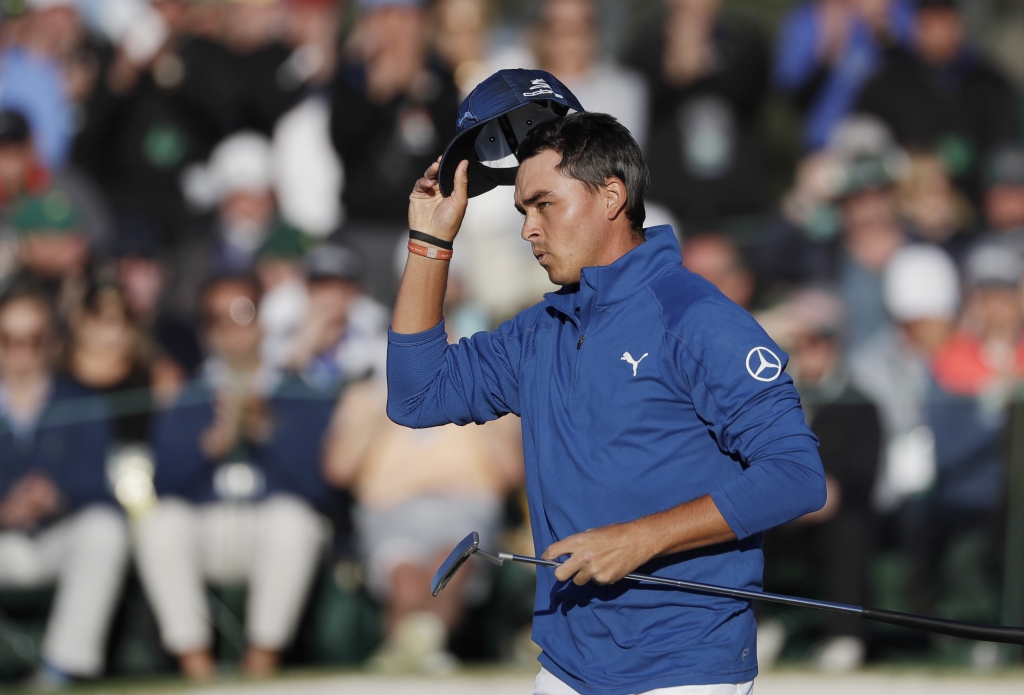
430, 252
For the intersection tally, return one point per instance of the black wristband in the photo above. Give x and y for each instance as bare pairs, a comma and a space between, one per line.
439, 243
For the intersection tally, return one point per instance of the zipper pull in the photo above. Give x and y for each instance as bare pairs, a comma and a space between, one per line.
579, 343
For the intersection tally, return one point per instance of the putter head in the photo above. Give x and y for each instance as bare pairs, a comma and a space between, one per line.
469, 545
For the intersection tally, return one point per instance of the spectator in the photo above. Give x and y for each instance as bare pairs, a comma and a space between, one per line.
839, 225
313, 32
22, 173
269, 81
284, 298
344, 335
240, 180
986, 356
20, 170
707, 75
240, 493
871, 235
417, 493
309, 175
828, 49
801, 243
461, 29
58, 522
836, 539
975, 371
392, 113
106, 355
941, 95
566, 42
53, 248
933, 211
169, 339
716, 259
1004, 197
33, 86
159, 106
921, 291
804, 244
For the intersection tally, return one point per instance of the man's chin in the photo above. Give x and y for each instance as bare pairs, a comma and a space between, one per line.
562, 279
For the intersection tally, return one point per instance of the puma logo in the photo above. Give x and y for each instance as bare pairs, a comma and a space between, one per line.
626, 357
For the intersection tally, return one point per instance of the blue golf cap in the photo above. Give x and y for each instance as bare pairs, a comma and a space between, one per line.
494, 119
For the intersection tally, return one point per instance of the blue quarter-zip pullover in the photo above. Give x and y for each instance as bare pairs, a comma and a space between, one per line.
639, 389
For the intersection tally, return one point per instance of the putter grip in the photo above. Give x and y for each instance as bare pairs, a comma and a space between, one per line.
954, 628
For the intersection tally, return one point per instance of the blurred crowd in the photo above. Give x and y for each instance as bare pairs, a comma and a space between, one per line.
202, 213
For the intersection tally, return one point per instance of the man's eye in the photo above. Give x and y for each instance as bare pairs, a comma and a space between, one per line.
543, 205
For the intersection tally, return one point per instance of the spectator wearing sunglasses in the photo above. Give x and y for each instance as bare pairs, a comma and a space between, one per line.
58, 522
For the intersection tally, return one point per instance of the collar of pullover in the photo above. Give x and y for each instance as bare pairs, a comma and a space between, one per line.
602, 286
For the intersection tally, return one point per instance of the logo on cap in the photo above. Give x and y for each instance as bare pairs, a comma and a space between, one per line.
540, 87
468, 117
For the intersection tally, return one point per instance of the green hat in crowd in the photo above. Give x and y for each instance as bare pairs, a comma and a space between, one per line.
52, 212
285, 243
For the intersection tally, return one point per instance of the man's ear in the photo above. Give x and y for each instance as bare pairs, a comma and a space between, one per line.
615, 197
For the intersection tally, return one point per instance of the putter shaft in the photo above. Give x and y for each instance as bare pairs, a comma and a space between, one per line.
954, 628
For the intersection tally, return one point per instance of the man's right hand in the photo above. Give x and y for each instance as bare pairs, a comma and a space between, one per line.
430, 212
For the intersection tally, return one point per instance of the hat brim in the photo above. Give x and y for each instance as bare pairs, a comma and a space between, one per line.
481, 178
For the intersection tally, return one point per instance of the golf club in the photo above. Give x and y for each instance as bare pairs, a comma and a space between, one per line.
470, 545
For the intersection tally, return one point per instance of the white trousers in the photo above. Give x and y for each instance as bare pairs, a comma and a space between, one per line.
548, 684
85, 555
274, 546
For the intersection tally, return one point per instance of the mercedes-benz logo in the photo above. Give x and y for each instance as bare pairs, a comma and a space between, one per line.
763, 364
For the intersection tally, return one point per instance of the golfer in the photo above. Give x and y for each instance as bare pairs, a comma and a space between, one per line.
661, 432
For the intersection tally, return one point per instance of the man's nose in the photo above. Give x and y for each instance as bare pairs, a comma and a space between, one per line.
531, 230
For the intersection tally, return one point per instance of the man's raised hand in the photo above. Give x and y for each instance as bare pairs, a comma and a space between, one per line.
430, 212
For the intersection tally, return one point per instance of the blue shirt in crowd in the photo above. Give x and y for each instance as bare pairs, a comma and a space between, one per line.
34, 86
68, 443
800, 67
639, 389
289, 462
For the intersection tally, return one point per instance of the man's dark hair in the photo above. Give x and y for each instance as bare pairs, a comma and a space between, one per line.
595, 146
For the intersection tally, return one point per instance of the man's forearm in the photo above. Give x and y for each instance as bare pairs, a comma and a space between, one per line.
421, 295
690, 525
608, 553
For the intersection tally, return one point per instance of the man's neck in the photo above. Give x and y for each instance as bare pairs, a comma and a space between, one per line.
621, 243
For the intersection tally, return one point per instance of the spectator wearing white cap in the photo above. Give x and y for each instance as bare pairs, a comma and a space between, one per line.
921, 291
239, 181
976, 371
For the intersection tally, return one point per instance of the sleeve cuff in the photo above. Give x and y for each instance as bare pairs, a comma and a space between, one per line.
728, 512
426, 336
